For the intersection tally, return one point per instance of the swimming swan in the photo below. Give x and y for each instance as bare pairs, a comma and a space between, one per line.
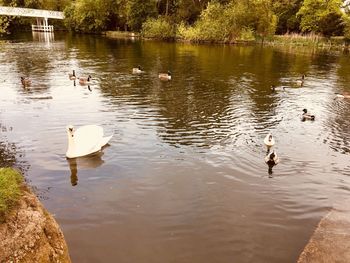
85, 140
165, 76
269, 140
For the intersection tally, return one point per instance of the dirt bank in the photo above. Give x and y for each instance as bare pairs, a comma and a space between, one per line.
31, 234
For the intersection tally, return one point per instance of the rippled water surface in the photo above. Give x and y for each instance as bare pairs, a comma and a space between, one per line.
184, 178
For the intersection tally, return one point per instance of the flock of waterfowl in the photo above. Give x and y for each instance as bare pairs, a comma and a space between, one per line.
271, 158
90, 139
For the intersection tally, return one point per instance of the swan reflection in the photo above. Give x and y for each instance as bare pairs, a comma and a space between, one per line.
83, 163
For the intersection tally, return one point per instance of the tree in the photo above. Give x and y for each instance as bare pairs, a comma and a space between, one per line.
90, 15
321, 16
138, 11
286, 11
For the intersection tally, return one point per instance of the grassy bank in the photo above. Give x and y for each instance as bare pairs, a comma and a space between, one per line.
120, 34
10, 190
311, 40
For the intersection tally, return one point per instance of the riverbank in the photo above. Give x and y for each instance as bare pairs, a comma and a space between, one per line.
331, 239
310, 40
28, 232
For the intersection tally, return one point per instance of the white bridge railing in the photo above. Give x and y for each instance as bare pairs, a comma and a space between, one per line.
39, 28
16, 11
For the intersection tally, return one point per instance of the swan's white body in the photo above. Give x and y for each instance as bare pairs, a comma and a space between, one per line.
85, 140
272, 159
269, 140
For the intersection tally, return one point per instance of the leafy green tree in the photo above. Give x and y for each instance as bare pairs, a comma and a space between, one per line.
286, 11
89, 15
138, 11
321, 16
265, 19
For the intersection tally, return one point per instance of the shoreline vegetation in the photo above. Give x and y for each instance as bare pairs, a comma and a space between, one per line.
28, 232
309, 40
298, 22
11, 188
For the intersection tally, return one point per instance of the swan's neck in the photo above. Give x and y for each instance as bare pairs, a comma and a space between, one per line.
71, 144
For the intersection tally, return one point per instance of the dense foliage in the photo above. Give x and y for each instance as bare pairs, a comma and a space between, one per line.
197, 20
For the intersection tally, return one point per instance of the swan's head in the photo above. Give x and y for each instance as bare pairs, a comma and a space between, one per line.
305, 111
70, 130
139, 67
89, 77
169, 73
270, 137
272, 155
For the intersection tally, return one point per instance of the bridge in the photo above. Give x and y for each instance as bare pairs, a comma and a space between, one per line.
41, 16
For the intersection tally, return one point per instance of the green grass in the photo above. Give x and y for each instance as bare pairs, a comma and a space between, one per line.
10, 190
313, 40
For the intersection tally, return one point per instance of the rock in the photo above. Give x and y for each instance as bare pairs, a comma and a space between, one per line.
31, 226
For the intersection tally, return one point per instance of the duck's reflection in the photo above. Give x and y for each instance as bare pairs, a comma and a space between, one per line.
87, 162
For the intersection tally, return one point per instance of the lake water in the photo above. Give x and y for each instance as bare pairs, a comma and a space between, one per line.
184, 178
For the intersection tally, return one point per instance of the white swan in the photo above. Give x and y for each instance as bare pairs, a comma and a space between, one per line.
85, 140
269, 140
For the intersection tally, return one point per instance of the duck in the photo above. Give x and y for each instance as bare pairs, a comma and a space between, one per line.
26, 82
300, 82
72, 76
274, 88
307, 116
272, 158
85, 140
269, 140
165, 76
345, 95
84, 80
137, 70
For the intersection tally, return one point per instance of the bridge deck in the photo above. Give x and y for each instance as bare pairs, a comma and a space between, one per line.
16, 11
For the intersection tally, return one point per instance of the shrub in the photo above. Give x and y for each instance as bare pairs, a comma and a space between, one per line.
158, 28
